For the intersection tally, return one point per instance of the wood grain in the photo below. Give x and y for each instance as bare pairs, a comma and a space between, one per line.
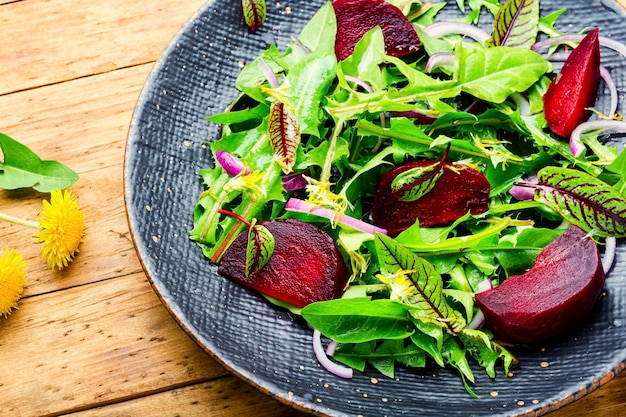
69, 39
94, 345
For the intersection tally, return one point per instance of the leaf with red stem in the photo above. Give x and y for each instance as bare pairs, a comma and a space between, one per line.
260, 248
254, 13
414, 183
583, 200
284, 135
516, 24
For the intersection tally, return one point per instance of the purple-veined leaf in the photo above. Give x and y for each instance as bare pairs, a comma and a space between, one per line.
516, 24
414, 183
284, 134
583, 200
254, 13
260, 248
416, 282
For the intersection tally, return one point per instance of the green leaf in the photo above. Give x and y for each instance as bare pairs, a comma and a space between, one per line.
417, 182
356, 320
22, 168
493, 74
583, 200
618, 166
254, 13
319, 33
284, 133
418, 284
516, 24
306, 85
259, 249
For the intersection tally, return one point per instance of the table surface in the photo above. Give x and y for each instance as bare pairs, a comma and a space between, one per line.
94, 339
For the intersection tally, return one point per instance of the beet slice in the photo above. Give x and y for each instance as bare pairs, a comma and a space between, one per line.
575, 88
356, 17
459, 189
558, 291
305, 266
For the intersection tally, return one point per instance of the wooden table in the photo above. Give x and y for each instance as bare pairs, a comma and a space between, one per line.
94, 339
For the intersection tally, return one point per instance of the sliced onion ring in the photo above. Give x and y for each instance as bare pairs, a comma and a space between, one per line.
231, 164
575, 141
330, 366
609, 254
441, 29
440, 59
297, 205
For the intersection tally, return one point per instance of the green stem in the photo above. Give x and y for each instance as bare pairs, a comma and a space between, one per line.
20, 222
520, 205
381, 131
325, 177
459, 243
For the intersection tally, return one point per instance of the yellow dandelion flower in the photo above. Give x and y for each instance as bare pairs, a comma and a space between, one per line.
12, 280
62, 228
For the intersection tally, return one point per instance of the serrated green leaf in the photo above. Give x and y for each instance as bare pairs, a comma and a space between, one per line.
416, 282
516, 24
260, 248
583, 200
22, 168
493, 74
254, 13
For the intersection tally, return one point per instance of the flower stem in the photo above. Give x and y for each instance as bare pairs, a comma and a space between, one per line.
20, 222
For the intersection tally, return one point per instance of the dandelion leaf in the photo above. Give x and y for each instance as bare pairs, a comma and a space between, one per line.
22, 168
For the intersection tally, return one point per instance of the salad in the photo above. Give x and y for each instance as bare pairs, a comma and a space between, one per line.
321, 147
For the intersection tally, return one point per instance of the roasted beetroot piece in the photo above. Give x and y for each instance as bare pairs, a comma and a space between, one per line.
558, 291
305, 266
575, 88
356, 17
459, 189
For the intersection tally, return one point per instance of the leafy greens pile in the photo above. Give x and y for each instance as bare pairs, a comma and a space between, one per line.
339, 125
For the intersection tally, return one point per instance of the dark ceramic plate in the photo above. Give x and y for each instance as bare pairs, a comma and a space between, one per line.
266, 346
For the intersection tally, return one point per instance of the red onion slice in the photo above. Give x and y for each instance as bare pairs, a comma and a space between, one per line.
360, 83
440, 59
575, 142
477, 321
609, 254
231, 164
604, 41
479, 318
441, 29
297, 205
330, 366
524, 192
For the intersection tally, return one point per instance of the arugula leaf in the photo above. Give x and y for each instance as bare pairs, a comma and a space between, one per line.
22, 168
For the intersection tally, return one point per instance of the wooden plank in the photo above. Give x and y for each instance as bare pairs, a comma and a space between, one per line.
92, 113
97, 110
83, 38
608, 401
227, 397
94, 345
